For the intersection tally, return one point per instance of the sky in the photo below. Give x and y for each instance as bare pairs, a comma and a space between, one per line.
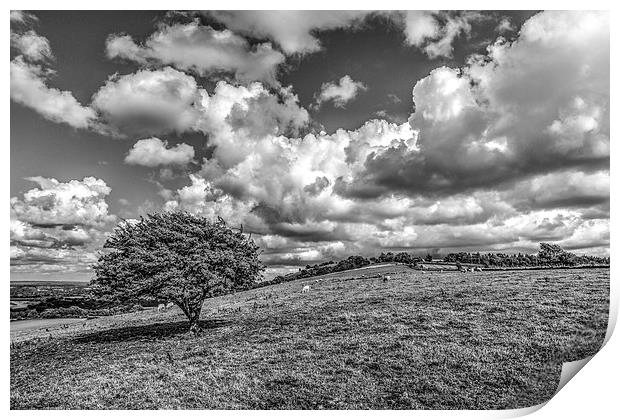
325, 134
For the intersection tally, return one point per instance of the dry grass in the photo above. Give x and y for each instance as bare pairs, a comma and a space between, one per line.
432, 341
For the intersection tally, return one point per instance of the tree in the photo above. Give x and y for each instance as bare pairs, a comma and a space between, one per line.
176, 257
554, 255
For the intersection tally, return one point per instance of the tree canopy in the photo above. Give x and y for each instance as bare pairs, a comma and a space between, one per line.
176, 257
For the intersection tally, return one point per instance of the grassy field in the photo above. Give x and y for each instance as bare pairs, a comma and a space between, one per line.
420, 341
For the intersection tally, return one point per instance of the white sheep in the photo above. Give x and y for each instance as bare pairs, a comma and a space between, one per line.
169, 305
387, 278
478, 269
306, 289
161, 307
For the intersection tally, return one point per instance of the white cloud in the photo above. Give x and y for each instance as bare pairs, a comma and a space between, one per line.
293, 30
58, 226
149, 101
29, 88
420, 25
505, 25
159, 101
569, 188
32, 46
63, 203
548, 92
435, 32
29, 79
482, 163
20, 16
445, 180
153, 152
341, 92
201, 49
539, 104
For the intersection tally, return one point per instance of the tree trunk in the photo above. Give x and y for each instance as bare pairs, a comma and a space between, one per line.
194, 317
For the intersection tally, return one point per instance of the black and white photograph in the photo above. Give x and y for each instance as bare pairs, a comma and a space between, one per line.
306, 209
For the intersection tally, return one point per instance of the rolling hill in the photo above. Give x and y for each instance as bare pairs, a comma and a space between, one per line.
420, 341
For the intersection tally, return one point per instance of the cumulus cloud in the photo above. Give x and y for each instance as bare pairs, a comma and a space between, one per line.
420, 25
29, 80
154, 152
536, 105
25, 235
341, 92
59, 225
149, 101
262, 113
63, 203
568, 189
279, 184
44, 261
504, 25
31, 45
201, 49
160, 101
29, 88
481, 164
19, 16
293, 30
435, 32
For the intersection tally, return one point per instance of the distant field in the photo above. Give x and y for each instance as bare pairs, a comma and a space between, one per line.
484, 340
34, 324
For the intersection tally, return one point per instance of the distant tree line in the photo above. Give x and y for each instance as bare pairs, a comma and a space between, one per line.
77, 307
550, 255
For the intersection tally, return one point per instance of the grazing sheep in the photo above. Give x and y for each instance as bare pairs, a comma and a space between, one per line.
169, 305
161, 307
478, 269
423, 272
387, 278
306, 289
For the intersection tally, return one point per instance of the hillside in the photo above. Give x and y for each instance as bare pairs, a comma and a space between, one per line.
434, 341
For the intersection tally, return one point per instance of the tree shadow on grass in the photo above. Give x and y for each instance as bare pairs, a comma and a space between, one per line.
156, 331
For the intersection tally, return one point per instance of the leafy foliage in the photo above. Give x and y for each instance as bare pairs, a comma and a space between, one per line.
551, 255
176, 257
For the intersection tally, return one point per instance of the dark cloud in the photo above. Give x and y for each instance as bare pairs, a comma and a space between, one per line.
318, 185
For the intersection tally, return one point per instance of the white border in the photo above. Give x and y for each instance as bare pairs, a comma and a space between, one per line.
592, 394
